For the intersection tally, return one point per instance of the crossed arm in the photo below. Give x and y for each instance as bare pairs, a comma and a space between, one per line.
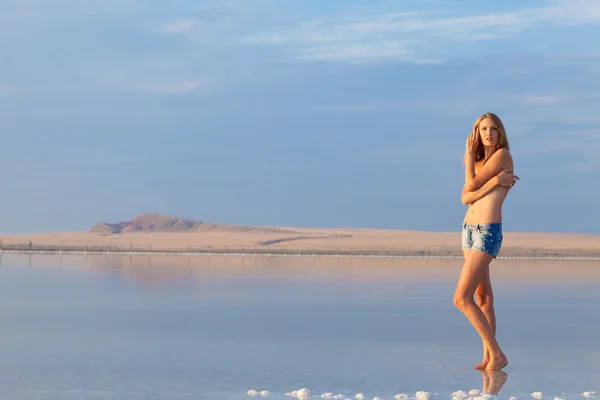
491, 175
469, 197
497, 162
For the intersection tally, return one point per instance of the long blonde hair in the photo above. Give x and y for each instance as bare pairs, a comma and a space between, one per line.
502, 139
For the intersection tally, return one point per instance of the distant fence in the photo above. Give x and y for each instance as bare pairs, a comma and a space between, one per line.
507, 254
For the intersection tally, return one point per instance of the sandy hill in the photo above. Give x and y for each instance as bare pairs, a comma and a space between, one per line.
153, 222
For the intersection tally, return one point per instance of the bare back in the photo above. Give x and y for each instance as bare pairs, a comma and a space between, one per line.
488, 209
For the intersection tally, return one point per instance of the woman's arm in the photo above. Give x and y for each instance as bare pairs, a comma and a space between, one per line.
469, 170
497, 162
469, 197
504, 178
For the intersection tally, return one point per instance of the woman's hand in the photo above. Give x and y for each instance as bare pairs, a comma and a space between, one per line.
473, 141
506, 178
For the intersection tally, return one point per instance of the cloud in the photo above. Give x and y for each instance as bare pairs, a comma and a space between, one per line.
533, 100
575, 150
356, 52
406, 35
35, 10
172, 88
356, 107
180, 25
206, 22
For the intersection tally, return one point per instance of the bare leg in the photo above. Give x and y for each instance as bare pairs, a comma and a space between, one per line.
484, 297
480, 289
486, 381
472, 273
496, 380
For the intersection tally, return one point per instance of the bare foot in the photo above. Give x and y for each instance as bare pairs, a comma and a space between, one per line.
486, 359
483, 364
497, 363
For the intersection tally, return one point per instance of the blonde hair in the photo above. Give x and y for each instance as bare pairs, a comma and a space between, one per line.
502, 139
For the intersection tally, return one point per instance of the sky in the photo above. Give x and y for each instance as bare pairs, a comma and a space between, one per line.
315, 113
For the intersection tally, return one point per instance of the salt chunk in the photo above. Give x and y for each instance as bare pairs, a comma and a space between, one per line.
420, 395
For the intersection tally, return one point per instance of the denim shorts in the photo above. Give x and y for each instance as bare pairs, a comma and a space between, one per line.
486, 238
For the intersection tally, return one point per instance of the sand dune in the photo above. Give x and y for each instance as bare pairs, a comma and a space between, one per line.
153, 231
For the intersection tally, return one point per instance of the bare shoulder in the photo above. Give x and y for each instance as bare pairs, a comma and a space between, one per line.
504, 158
503, 154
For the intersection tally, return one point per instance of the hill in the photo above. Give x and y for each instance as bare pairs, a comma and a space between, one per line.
153, 222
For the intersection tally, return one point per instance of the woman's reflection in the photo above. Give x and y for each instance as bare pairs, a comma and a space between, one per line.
493, 381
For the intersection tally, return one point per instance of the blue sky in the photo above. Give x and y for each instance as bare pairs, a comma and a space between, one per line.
314, 113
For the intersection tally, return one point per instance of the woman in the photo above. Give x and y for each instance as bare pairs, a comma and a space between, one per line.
488, 178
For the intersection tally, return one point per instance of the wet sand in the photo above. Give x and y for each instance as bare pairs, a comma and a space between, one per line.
358, 240
165, 268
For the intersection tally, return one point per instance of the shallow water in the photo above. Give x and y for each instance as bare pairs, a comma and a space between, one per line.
182, 328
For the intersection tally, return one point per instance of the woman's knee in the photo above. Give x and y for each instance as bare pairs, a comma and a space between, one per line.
484, 299
462, 301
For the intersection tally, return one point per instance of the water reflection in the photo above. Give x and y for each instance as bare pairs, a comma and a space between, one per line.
157, 269
493, 381
342, 325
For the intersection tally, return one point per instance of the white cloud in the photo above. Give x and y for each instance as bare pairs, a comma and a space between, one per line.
180, 25
399, 35
356, 107
23, 10
356, 52
582, 145
533, 100
171, 88
214, 21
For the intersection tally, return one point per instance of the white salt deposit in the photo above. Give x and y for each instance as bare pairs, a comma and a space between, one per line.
421, 395
302, 394
473, 394
264, 393
330, 395
460, 395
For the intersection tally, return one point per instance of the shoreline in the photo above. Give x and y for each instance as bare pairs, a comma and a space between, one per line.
203, 268
303, 242
534, 256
